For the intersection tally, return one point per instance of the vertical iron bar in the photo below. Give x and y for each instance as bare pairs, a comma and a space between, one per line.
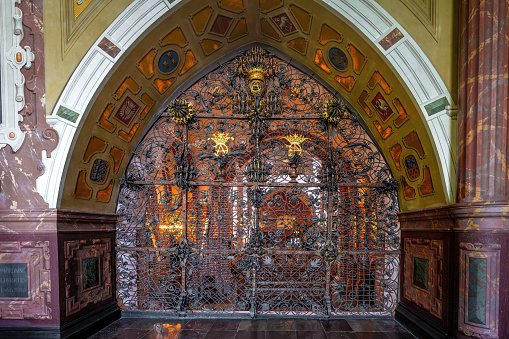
330, 210
256, 224
183, 237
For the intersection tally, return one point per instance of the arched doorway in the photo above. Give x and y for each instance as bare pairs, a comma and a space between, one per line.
258, 192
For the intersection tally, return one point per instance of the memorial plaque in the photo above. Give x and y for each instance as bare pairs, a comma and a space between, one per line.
13, 280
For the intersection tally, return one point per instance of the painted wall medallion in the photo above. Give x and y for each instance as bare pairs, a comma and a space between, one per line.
168, 61
99, 171
412, 168
221, 25
338, 58
382, 107
284, 23
127, 111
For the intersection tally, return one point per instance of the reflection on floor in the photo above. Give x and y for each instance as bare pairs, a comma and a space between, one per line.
136, 328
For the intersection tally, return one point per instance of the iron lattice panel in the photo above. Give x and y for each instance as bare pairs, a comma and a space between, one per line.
258, 192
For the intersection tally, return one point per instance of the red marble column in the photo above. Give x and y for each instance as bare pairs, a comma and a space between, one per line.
481, 231
483, 107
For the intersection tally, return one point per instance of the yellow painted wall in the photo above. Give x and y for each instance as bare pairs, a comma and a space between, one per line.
60, 65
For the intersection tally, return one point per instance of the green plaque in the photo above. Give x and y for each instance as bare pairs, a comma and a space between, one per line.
90, 272
477, 279
436, 106
421, 272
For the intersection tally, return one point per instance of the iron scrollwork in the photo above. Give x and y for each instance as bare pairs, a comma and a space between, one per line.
258, 191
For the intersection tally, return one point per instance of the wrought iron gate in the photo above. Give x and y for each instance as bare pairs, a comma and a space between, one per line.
257, 191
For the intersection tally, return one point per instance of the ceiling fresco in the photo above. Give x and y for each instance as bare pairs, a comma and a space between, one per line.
193, 39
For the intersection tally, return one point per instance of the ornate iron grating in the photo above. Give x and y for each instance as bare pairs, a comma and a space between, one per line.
258, 192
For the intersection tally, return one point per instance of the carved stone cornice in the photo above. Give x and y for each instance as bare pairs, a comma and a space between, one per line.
465, 217
481, 216
55, 221
436, 219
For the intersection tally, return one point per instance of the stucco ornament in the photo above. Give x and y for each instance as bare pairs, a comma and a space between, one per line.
14, 58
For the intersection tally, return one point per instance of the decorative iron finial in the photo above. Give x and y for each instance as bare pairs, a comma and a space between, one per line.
180, 111
334, 110
256, 64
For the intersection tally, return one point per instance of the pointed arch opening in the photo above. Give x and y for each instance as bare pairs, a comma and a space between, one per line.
258, 192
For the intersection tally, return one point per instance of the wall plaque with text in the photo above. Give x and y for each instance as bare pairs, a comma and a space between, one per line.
13, 280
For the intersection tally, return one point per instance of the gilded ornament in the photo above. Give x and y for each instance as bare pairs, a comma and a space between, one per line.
256, 87
295, 141
256, 64
221, 138
180, 111
328, 252
256, 73
295, 92
334, 110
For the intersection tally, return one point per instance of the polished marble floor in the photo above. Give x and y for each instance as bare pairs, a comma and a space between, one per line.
136, 328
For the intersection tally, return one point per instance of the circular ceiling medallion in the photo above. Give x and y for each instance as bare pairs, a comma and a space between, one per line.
168, 61
338, 58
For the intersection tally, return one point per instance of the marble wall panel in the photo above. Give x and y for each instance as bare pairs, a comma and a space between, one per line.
428, 235
56, 247
423, 275
40, 306
490, 245
89, 271
479, 278
475, 236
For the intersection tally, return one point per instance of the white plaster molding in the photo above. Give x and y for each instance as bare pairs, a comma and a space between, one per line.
443, 128
47, 184
85, 81
405, 57
13, 57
